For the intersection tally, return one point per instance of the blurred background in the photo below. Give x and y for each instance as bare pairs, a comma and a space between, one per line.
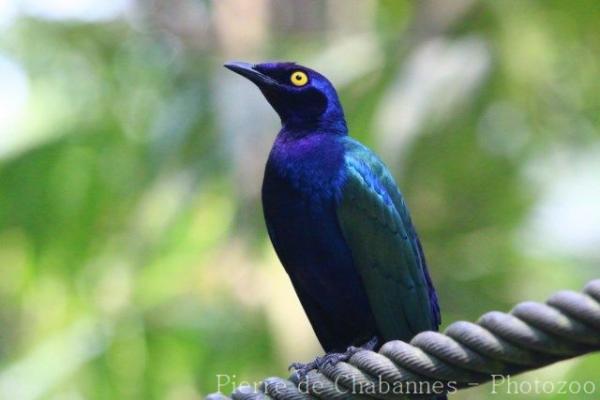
134, 262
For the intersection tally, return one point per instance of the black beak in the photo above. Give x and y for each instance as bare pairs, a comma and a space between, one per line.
247, 70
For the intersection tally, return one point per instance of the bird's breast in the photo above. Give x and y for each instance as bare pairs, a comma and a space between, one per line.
311, 167
299, 201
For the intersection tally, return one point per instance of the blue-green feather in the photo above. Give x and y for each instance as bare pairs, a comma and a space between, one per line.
385, 247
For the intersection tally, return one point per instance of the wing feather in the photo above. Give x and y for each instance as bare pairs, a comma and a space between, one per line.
385, 247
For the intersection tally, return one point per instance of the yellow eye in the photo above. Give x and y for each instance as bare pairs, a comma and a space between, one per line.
299, 78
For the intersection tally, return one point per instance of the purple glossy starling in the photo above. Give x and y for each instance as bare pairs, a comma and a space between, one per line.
337, 220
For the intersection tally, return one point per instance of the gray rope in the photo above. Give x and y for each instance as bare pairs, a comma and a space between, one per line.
531, 336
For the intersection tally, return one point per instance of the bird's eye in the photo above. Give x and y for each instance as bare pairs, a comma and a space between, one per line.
299, 78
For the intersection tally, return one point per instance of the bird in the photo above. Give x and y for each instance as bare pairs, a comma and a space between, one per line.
338, 222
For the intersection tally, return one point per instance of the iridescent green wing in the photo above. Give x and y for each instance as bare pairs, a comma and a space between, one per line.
385, 248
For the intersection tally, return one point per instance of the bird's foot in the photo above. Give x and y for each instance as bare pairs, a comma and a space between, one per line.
331, 359
302, 369
370, 345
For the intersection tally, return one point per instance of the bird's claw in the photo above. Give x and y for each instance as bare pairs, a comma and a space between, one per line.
330, 359
297, 365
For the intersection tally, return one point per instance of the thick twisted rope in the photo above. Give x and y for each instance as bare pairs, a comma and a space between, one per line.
531, 336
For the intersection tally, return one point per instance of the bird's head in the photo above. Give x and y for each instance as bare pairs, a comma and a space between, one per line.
303, 98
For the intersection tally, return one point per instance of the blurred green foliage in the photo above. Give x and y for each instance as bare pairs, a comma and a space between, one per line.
133, 258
